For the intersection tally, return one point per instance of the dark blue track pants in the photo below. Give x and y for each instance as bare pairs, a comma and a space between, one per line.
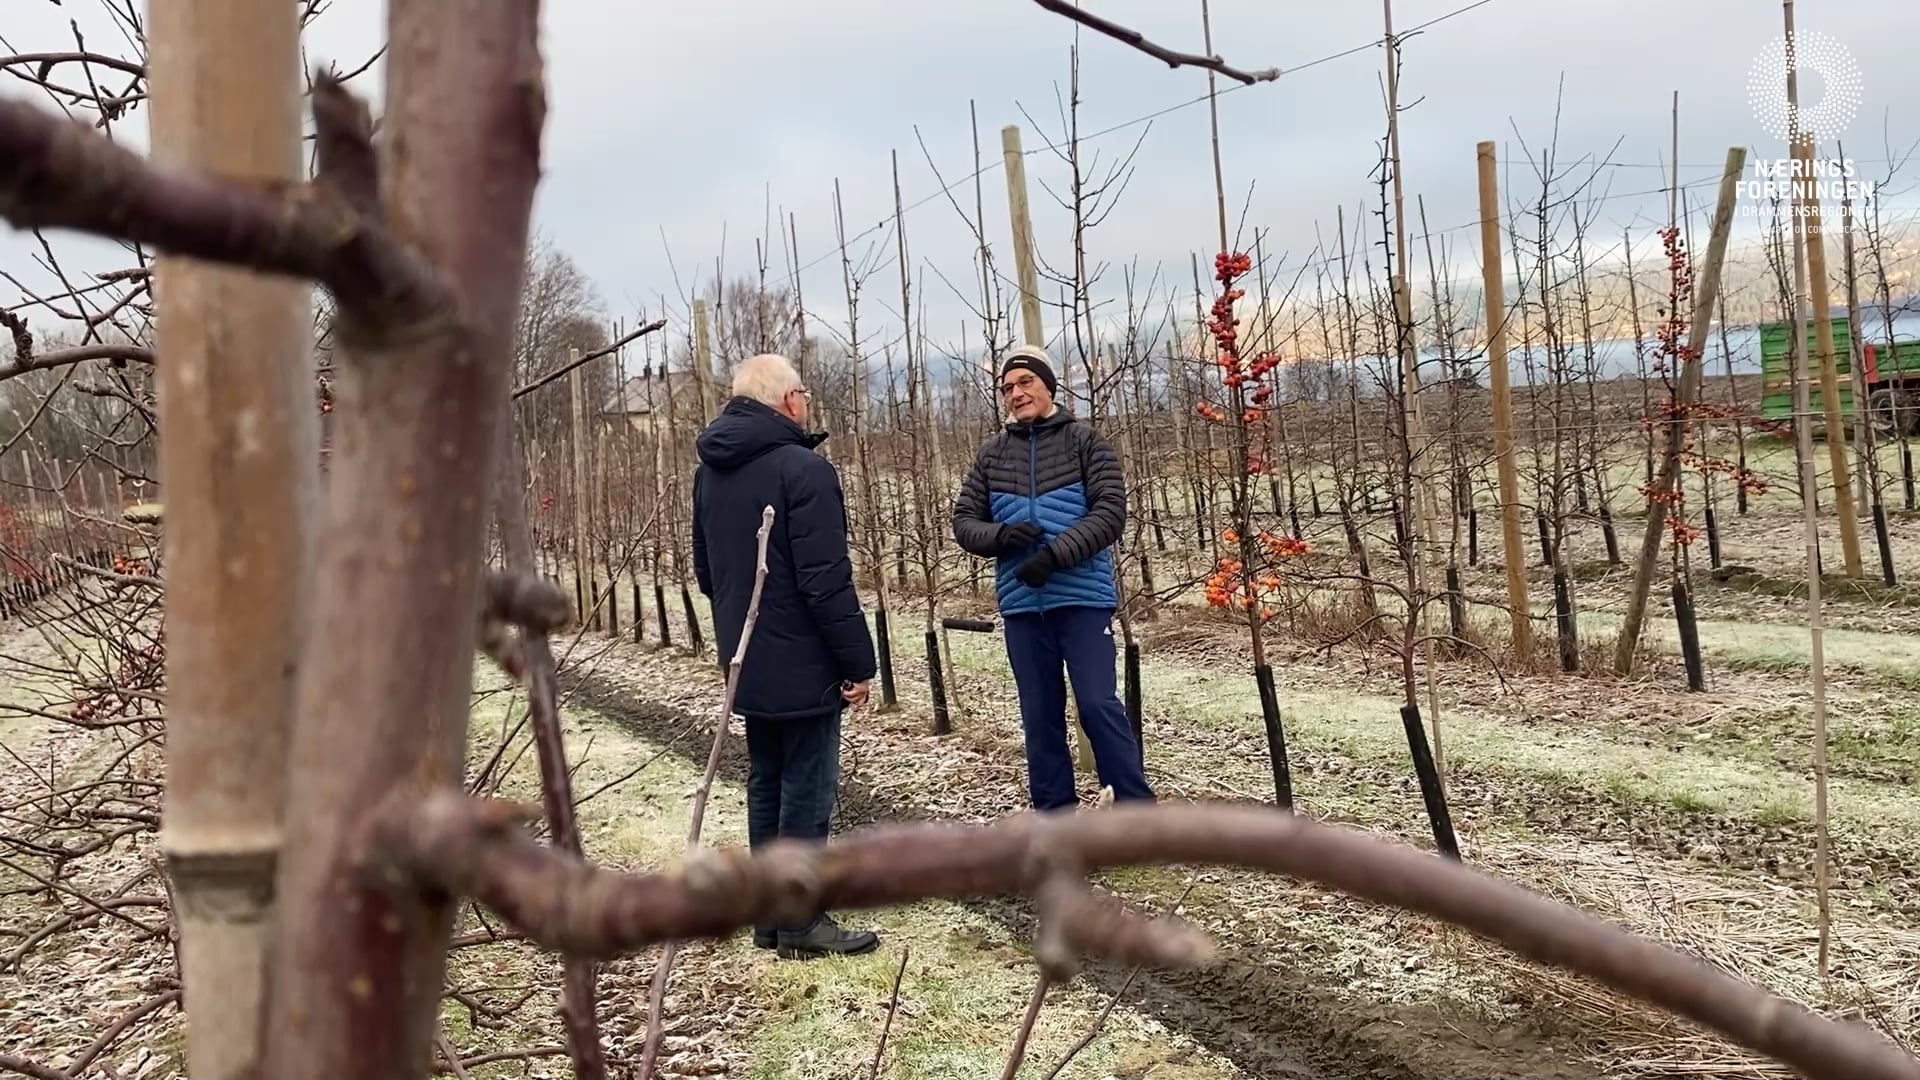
1080, 640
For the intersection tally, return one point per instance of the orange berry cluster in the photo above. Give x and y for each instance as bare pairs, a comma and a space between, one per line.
1235, 374
1683, 533
1229, 586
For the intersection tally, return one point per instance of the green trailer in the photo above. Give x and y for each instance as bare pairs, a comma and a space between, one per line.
1892, 370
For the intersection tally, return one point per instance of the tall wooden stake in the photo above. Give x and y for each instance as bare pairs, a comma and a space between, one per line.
582, 483
1808, 202
1705, 293
237, 471
1495, 288
1803, 439
703, 363
1016, 169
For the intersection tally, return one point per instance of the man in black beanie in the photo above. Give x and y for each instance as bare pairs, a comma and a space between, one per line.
1046, 500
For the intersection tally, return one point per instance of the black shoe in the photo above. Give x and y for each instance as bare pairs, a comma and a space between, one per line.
763, 938
825, 937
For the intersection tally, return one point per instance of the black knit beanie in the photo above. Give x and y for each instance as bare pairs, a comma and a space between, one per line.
1034, 359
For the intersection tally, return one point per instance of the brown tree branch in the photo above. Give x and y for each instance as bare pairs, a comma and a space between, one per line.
471, 847
44, 62
108, 575
79, 354
893, 1006
58, 173
561, 373
119, 1027
1025, 1032
10, 1063
511, 1055
1139, 41
22, 338
522, 597
657, 995
1100, 1021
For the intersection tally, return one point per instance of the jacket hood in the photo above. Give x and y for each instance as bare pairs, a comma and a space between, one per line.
746, 429
1059, 418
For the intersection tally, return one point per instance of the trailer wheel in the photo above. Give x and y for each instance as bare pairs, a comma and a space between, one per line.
1890, 411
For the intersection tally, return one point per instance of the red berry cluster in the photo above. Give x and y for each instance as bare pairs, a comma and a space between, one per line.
1683, 533
1674, 350
1674, 353
1220, 322
1235, 373
1753, 482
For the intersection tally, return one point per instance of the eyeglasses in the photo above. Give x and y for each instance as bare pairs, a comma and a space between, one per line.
803, 392
1024, 383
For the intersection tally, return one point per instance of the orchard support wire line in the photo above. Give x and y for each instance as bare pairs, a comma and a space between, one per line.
473, 847
883, 224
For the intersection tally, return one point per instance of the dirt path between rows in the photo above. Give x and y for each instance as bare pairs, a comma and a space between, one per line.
1247, 1008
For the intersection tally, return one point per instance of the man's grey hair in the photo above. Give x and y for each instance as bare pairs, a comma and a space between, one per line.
766, 378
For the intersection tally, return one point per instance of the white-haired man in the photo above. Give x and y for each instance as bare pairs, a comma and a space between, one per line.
811, 654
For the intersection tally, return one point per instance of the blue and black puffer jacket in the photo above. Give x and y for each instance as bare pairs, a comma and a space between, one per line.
1059, 474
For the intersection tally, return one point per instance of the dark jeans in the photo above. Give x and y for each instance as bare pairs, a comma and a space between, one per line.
1081, 640
793, 774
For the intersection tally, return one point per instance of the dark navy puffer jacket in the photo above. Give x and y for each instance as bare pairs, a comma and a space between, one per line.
1059, 474
811, 634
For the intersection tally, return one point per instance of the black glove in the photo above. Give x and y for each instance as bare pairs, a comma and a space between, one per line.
1018, 536
1038, 568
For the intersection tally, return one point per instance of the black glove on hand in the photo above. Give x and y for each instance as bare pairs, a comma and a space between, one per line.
1038, 568
1018, 536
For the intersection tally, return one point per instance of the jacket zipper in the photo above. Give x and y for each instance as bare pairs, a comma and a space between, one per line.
1033, 476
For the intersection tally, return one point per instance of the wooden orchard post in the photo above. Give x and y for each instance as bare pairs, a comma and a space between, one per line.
703, 361
1705, 294
1511, 554
582, 485
1807, 203
1032, 332
1016, 168
239, 434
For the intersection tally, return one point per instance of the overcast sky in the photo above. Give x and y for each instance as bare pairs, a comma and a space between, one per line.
676, 120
